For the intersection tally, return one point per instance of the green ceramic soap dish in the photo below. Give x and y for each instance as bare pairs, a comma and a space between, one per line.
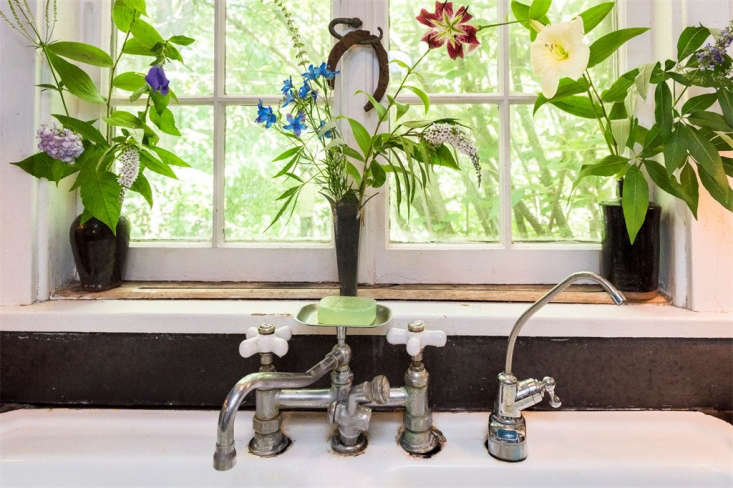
308, 315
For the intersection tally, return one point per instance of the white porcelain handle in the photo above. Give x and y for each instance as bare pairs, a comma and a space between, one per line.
416, 341
260, 343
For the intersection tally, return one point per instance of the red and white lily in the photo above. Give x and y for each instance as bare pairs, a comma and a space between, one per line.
449, 28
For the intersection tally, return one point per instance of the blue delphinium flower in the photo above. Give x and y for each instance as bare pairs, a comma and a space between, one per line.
326, 73
328, 134
61, 144
265, 115
312, 73
296, 124
289, 98
304, 90
287, 86
157, 80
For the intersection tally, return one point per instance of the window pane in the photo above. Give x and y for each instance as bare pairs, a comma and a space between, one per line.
251, 191
522, 78
547, 153
182, 208
193, 18
438, 73
456, 209
259, 50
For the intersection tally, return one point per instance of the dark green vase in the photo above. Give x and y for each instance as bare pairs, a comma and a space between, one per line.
100, 255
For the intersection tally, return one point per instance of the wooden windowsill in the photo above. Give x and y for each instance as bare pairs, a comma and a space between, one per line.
160, 290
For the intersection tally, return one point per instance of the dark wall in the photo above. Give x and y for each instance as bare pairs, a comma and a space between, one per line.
197, 370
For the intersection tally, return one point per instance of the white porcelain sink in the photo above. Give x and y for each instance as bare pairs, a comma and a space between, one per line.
101, 448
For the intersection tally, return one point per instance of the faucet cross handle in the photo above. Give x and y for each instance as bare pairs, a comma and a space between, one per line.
416, 338
266, 338
549, 384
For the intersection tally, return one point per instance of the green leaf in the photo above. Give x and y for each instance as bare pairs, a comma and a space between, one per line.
721, 192
169, 158
154, 164
688, 182
661, 178
288, 153
663, 110
348, 151
134, 46
165, 121
146, 34
381, 109
704, 153
85, 129
120, 118
100, 194
521, 13
142, 186
182, 40
288, 165
609, 166
675, 152
728, 166
402, 108
635, 201
289, 192
700, 102
41, 165
444, 157
643, 78
539, 9
378, 175
122, 15
172, 52
138, 5
725, 98
565, 88
620, 88
78, 51
618, 111
421, 95
363, 139
690, 40
595, 15
576, 105
711, 120
75, 79
130, 81
608, 44
160, 101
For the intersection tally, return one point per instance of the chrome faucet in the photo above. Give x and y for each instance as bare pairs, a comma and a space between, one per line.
348, 407
507, 428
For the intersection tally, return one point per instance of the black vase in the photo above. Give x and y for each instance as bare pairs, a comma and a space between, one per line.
633, 268
100, 255
346, 229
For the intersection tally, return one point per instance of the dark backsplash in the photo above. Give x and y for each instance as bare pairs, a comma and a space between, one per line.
197, 370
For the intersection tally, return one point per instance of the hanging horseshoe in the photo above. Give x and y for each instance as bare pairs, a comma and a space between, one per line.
360, 37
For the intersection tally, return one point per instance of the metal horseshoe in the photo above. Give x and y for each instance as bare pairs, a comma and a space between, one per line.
360, 37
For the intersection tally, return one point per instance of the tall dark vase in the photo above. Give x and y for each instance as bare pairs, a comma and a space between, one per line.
346, 229
633, 268
100, 255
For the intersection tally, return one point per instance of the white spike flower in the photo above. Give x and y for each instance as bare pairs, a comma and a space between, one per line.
129, 167
559, 51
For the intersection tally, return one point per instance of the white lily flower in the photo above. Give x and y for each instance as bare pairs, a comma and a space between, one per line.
559, 51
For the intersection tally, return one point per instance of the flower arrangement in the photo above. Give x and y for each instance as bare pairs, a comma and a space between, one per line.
106, 165
687, 135
410, 150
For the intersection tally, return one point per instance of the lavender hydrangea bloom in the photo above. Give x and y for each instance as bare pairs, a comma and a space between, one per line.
157, 80
61, 144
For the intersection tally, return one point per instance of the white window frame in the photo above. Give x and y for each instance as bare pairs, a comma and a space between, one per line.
35, 256
381, 260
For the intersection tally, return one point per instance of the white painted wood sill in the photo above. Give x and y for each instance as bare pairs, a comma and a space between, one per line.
455, 318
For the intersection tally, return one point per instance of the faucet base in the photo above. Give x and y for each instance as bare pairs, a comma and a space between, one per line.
507, 438
425, 443
349, 450
224, 459
269, 445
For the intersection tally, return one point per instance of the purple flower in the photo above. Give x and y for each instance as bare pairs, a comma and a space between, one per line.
157, 80
61, 144
265, 115
296, 124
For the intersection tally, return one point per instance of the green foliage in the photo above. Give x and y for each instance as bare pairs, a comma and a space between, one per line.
608, 44
634, 201
690, 41
41, 165
78, 51
74, 79
595, 15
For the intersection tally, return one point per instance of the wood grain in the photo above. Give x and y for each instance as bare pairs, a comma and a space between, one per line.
159, 290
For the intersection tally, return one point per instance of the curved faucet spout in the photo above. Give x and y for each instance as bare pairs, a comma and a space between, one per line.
225, 454
616, 296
